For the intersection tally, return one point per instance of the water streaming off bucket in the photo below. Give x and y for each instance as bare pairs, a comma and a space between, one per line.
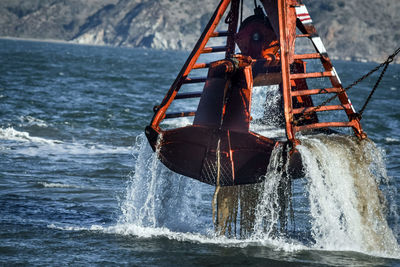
157, 197
345, 208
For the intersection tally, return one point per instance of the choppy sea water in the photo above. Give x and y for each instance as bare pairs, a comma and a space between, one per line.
79, 184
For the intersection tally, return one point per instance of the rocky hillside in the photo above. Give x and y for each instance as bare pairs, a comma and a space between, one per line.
353, 29
358, 29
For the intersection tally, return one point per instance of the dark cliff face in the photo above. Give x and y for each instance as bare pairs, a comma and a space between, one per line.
358, 29
46, 19
353, 29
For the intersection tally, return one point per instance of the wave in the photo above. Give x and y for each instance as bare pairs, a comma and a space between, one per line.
57, 185
391, 140
134, 230
197, 238
13, 135
32, 121
31, 145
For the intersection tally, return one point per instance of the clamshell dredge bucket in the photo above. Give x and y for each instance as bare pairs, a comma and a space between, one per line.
221, 122
218, 147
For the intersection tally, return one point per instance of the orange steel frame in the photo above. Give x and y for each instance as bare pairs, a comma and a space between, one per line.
287, 77
208, 32
285, 69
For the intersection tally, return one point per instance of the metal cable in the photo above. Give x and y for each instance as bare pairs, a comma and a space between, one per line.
372, 91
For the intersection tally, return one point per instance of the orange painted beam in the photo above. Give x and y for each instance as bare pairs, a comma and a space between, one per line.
187, 67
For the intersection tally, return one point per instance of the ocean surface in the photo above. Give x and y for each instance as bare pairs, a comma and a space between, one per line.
79, 184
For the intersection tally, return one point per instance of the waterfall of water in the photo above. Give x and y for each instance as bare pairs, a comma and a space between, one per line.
346, 196
138, 206
348, 209
268, 207
157, 197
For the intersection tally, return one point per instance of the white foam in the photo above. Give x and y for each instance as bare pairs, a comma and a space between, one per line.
163, 232
268, 131
75, 228
392, 140
209, 238
346, 205
37, 146
177, 122
57, 185
14, 135
30, 121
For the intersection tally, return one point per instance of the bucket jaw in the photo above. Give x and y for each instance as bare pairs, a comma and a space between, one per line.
193, 151
218, 149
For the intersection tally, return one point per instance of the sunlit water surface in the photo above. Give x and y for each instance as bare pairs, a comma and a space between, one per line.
80, 185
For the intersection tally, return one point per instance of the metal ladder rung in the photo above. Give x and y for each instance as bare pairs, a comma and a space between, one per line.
195, 80
323, 125
201, 65
188, 95
179, 114
213, 49
317, 91
303, 35
311, 75
220, 34
323, 108
308, 56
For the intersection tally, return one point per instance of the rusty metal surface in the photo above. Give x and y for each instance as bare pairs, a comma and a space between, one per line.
223, 116
257, 39
309, 30
201, 43
275, 10
191, 151
285, 69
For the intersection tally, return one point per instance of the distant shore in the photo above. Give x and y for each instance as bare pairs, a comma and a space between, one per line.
36, 40
363, 60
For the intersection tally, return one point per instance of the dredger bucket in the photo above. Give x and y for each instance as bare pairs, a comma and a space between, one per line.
218, 148
192, 151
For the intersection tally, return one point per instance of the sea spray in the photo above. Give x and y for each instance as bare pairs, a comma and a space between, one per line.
346, 208
346, 205
139, 181
156, 197
267, 209
274, 207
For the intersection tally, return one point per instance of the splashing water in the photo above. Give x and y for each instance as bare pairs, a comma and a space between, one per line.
346, 205
347, 208
268, 208
139, 208
159, 198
